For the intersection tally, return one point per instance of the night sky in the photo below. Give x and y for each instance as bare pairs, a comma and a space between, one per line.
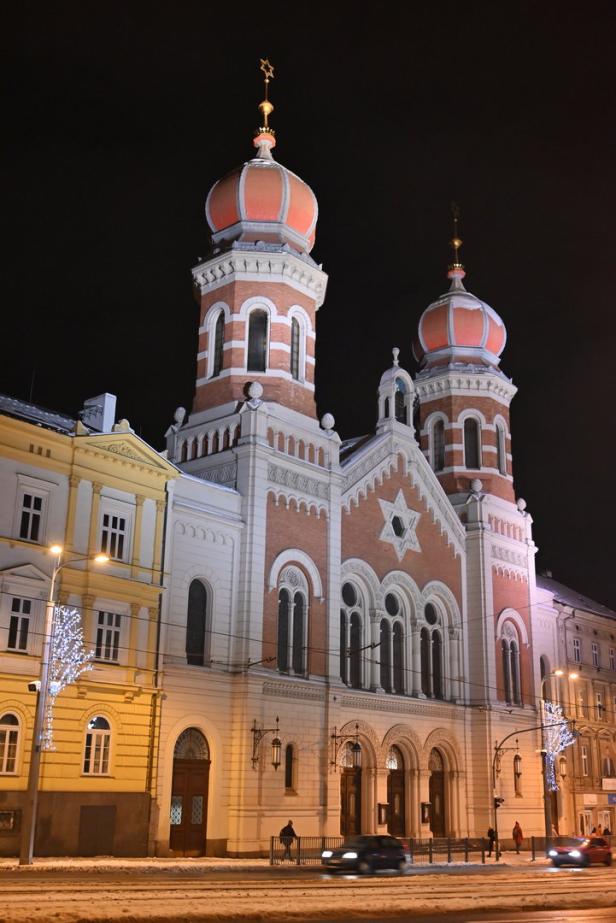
119, 118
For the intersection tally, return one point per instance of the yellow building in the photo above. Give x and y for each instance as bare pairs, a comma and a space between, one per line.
90, 485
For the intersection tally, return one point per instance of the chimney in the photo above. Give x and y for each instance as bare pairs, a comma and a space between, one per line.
99, 412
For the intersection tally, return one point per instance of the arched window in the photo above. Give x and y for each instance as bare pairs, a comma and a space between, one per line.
292, 621
289, 768
284, 602
98, 743
191, 745
437, 665
438, 445
425, 662
400, 401
295, 348
9, 738
219, 343
510, 654
472, 450
355, 650
501, 458
398, 651
351, 636
544, 670
196, 624
384, 650
257, 342
514, 659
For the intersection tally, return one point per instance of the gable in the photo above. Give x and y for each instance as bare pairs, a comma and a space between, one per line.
28, 576
126, 447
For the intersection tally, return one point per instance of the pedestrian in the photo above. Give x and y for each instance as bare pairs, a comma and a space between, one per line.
491, 839
517, 835
606, 831
599, 830
593, 831
287, 835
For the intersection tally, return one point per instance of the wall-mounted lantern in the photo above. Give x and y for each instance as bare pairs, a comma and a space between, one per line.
258, 733
355, 746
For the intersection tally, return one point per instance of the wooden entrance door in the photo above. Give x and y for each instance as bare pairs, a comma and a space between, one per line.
189, 806
396, 820
350, 802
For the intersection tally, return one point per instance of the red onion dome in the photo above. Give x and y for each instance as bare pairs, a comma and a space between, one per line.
459, 327
264, 201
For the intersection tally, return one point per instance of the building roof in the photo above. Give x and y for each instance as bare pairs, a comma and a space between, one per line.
23, 410
569, 597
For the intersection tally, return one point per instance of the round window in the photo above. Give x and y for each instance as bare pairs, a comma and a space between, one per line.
391, 604
349, 596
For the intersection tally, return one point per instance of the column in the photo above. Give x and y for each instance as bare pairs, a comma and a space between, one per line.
412, 803
158, 535
69, 538
133, 635
424, 796
416, 662
454, 661
88, 621
381, 797
374, 665
93, 535
150, 660
136, 558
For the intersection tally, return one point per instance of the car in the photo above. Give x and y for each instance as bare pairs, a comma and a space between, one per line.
583, 852
366, 854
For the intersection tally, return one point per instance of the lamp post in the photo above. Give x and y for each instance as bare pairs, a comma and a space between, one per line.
29, 825
547, 795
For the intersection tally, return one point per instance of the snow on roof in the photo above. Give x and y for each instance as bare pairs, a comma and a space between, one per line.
23, 410
569, 597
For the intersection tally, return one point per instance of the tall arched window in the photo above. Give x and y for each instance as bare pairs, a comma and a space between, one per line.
400, 402
351, 636
257, 342
425, 662
292, 621
284, 605
501, 457
289, 768
514, 659
437, 665
431, 654
9, 738
438, 445
544, 670
510, 653
196, 624
98, 743
219, 343
398, 651
472, 449
295, 348
384, 649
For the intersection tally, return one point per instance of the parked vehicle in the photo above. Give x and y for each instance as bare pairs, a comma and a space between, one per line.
583, 852
366, 854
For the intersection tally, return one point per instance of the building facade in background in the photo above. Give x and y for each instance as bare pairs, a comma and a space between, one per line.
363, 614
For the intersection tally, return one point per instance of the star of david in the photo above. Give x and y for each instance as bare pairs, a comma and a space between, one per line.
400, 525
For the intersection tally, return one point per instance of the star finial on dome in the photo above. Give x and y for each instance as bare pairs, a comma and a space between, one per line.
265, 138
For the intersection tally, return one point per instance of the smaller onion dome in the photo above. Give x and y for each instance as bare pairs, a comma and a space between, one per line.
262, 200
458, 327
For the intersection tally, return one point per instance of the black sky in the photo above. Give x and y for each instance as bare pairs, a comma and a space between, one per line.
119, 118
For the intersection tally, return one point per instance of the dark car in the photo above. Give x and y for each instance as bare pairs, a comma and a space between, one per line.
366, 854
583, 851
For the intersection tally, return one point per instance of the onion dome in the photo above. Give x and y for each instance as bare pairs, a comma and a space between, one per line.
458, 327
262, 200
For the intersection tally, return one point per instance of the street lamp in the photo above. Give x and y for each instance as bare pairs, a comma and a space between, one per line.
355, 746
258, 733
547, 795
29, 826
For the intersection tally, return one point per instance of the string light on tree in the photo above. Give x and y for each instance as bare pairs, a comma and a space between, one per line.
68, 660
557, 736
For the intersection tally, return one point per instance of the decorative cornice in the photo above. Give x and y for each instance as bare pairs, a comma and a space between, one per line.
223, 474
399, 706
296, 481
124, 450
508, 556
276, 267
293, 691
449, 382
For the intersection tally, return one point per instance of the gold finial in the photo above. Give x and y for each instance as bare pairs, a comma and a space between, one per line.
456, 241
265, 106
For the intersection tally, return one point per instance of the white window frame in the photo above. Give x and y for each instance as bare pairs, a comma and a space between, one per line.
577, 650
594, 647
433, 424
100, 749
268, 335
612, 659
9, 731
125, 511
38, 488
21, 616
584, 760
109, 626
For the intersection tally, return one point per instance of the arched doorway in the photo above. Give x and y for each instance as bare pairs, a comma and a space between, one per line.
396, 818
436, 767
350, 791
189, 790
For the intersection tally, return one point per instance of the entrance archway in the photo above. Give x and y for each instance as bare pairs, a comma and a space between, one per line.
436, 767
396, 815
189, 793
350, 795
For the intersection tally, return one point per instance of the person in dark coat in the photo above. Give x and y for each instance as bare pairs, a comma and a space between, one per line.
491, 839
287, 835
517, 835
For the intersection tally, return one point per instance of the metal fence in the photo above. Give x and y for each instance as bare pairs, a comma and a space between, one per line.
306, 850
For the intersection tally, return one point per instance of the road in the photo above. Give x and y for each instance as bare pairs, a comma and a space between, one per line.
462, 895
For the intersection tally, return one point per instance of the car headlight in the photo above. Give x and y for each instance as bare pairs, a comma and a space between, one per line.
552, 852
349, 855
327, 854
575, 854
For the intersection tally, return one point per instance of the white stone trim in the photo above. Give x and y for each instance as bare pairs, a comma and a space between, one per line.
260, 266
296, 556
515, 617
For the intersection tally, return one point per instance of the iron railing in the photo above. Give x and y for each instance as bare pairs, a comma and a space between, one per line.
306, 850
